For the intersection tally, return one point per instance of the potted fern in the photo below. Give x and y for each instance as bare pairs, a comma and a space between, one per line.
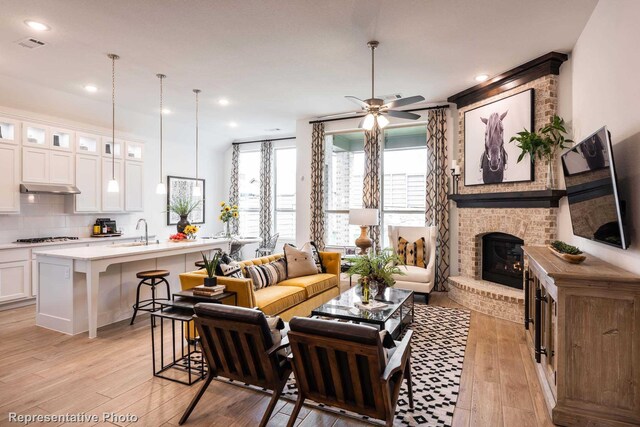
377, 269
182, 206
210, 265
544, 145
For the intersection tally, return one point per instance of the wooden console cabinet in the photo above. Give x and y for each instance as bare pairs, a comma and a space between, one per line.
583, 327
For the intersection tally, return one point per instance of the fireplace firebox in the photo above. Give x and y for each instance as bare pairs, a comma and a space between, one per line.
502, 260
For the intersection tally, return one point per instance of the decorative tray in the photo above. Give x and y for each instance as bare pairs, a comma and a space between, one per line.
573, 259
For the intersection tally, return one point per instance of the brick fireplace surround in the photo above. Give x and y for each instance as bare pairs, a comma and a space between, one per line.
535, 226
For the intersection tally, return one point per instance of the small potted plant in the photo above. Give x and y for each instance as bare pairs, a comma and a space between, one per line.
182, 206
543, 144
227, 213
210, 265
377, 269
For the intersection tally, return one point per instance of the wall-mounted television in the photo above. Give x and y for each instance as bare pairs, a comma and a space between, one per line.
597, 213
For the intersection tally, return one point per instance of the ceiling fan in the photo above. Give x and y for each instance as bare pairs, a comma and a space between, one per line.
376, 108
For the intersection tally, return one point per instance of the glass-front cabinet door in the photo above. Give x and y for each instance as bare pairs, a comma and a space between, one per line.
9, 131
88, 144
109, 148
35, 135
62, 139
135, 151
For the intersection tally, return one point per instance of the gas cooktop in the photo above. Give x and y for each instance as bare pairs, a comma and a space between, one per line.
46, 239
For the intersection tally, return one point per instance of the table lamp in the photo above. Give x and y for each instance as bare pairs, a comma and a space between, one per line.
363, 218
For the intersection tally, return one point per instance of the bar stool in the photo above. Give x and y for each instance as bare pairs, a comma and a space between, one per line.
150, 278
199, 264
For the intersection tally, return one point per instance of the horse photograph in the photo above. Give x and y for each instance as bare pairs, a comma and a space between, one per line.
488, 156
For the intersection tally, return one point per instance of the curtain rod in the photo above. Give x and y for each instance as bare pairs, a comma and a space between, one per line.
263, 140
362, 115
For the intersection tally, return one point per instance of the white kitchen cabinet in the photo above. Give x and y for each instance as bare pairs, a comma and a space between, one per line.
14, 280
89, 181
47, 166
62, 139
134, 151
89, 144
134, 186
9, 131
35, 135
9, 178
112, 202
109, 149
35, 165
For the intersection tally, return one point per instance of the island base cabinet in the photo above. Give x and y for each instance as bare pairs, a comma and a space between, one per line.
584, 336
14, 280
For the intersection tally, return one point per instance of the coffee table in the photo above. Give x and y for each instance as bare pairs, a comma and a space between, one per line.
395, 318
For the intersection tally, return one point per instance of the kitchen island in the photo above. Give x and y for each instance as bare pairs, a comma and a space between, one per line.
83, 288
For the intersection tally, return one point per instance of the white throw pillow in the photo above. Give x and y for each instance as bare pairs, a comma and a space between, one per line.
299, 262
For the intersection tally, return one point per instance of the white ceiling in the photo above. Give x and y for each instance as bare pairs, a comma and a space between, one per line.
275, 60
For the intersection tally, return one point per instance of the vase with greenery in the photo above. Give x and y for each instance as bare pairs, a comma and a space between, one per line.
228, 213
377, 268
182, 206
543, 144
210, 264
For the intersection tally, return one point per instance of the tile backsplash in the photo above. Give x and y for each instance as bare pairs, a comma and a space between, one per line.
51, 215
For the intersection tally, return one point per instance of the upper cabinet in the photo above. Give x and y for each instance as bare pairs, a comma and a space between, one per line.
88, 144
108, 148
134, 151
9, 131
47, 166
9, 178
62, 139
35, 135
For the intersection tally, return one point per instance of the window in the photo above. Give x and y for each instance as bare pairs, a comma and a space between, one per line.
249, 192
285, 192
404, 169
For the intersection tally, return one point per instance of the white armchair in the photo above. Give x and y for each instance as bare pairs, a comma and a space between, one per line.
417, 279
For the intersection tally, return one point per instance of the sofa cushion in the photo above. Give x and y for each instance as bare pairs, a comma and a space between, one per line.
412, 274
276, 299
314, 284
412, 253
267, 274
299, 262
313, 248
232, 269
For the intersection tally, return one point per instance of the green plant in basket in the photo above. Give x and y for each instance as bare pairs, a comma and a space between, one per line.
565, 248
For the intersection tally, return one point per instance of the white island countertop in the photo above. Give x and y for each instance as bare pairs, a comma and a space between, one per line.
127, 249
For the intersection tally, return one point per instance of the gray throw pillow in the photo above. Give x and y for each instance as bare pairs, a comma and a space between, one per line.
299, 262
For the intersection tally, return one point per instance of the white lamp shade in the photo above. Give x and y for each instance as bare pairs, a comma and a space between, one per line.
113, 187
368, 121
363, 217
382, 121
161, 188
196, 191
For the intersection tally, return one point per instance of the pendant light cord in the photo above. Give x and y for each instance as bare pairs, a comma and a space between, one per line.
161, 77
113, 114
197, 92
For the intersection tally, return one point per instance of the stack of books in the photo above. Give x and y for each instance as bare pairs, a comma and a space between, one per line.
208, 291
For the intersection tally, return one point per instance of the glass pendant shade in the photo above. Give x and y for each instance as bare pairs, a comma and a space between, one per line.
369, 121
197, 191
382, 121
113, 186
161, 188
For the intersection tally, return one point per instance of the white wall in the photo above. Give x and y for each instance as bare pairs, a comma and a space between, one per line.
605, 91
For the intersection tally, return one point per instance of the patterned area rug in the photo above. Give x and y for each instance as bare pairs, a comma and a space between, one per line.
437, 354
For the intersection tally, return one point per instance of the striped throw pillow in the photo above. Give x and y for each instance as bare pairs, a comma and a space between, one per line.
413, 253
267, 274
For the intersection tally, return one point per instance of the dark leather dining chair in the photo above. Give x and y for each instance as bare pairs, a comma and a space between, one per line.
238, 345
345, 366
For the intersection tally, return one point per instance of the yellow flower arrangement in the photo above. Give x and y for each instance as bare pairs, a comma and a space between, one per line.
191, 231
228, 212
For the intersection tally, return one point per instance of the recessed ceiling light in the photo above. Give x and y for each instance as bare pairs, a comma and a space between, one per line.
223, 101
166, 111
482, 77
38, 26
91, 88
233, 124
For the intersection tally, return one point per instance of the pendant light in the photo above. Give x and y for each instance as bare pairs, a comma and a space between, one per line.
161, 189
197, 190
112, 186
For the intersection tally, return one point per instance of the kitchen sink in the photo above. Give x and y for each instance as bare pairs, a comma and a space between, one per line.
133, 244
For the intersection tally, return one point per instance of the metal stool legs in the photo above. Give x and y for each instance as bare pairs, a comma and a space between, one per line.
142, 305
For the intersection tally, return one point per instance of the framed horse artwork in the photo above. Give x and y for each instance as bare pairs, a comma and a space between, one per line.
489, 158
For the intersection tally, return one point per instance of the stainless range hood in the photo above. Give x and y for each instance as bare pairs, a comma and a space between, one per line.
48, 189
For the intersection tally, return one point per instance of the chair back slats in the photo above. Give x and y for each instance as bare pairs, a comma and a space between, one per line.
339, 373
237, 351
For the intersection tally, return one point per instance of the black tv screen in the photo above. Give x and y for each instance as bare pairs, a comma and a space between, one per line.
592, 189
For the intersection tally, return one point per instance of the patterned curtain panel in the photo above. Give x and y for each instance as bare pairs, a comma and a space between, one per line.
317, 185
233, 190
371, 182
266, 160
437, 212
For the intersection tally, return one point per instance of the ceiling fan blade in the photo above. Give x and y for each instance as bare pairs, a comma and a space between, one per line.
403, 101
402, 114
332, 116
361, 124
358, 101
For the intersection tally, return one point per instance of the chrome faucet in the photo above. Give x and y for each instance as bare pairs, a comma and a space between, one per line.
146, 230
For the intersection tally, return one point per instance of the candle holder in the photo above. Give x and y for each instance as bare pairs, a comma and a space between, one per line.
455, 177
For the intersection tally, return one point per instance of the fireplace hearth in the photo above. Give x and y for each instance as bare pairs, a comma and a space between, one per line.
502, 260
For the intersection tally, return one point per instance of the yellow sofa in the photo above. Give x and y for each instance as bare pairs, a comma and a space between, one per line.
291, 297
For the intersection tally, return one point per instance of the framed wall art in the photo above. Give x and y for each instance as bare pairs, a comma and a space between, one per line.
489, 157
182, 188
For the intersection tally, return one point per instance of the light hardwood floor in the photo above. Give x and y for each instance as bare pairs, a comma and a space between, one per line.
45, 372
